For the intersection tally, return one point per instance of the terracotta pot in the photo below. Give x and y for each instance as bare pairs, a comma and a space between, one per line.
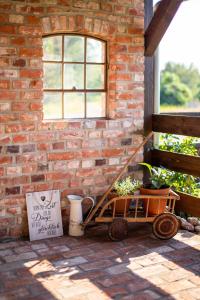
154, 207
120, 204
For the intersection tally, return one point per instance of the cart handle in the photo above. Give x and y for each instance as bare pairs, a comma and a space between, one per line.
172, 193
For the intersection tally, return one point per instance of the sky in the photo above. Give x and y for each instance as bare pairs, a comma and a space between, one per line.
181, 43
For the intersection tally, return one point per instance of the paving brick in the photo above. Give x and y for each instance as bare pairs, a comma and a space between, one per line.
70, 262
19, 257
177, 286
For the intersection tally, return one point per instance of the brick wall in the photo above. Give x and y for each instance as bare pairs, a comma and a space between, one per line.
72, 156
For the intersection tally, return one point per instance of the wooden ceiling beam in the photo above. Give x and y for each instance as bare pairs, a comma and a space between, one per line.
163, 15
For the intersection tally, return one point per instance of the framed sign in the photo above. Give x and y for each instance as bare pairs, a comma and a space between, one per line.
44, 214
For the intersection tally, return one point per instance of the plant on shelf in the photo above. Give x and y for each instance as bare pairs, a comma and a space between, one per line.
124, 187
158, 186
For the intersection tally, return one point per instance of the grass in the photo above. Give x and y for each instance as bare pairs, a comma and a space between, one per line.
174, 108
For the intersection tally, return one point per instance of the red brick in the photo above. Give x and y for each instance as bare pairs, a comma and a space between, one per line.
20, 84
5, 140
18, 41
90, 153
4, 84
28, 117
88, 172
4, 118
19, 106
9, 29
4, 61
19, 63
20, 138
30, 52
36, 178
58, 146
30, 30
31, 73
33, 20
8, 95
112, 152
63, 156
29, 168
59, 175
13, 190
36, 84
43, 146
42, 137
26, 158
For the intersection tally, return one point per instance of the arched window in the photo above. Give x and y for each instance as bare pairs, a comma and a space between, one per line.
75, 70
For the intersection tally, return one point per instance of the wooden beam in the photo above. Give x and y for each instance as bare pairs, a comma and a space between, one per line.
177, 124
149, 90
161, 20
188, 204
186, 164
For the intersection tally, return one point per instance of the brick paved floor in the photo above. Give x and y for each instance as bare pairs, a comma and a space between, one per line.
94, 268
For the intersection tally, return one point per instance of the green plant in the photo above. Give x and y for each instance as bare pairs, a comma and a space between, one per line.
181, 182
159, 177
126, 186
174, 143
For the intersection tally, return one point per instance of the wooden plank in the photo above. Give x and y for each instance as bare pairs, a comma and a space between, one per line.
188, 204
129, 219
164, 13
149, 90
177, 162
177, 124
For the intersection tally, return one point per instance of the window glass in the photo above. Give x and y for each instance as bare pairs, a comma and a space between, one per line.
96, 105
95, 77
95, 51
74, 77
73, 48
74, 105
52, 48
52, 76
52, 105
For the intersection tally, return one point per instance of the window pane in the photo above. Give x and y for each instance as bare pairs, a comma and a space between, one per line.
96, 105
52, 48
74, 48
95, 51
52, 105
52, 76
74, 76
74, 105
95, 77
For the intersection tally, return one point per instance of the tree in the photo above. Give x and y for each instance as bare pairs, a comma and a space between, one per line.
173, 91
190, 76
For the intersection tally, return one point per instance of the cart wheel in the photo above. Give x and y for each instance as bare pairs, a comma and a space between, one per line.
118, 229
165, 226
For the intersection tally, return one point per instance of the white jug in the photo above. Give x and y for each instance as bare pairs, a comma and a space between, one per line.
76, 215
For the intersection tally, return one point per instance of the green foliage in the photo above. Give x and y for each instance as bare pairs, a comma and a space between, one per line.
158, 176
126, 187
188, 75
174, 143
181, 182
173, 91
179, 84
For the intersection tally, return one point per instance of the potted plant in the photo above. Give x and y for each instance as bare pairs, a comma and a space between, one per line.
124, 187
158, 186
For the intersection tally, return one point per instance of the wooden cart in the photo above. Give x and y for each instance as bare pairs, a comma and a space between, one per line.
165, 225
